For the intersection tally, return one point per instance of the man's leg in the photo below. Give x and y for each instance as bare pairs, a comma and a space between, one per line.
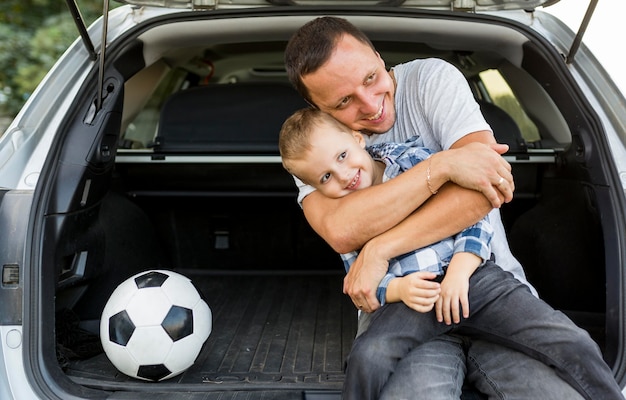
503, 310
502, 373
394, 331
434, 370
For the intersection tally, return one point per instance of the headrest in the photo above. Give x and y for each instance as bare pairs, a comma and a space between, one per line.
504, 127
226, 118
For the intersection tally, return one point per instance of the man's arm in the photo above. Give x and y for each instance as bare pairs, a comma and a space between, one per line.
470, 248
349, 222
450, 211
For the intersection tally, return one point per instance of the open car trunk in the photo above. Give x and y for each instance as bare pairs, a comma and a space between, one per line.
122, 194
280, 319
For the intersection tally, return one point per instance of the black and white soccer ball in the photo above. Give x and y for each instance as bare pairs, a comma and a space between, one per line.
154, 325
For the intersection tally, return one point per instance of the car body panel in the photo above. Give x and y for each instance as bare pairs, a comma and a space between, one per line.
464, 5
32, 152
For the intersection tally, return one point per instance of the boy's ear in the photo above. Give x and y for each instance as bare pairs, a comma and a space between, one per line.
358, 136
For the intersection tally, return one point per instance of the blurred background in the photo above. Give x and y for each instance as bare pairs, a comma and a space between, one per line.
34, 33
604, 35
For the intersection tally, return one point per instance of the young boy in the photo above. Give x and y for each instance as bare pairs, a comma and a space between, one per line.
329, 156
332, 158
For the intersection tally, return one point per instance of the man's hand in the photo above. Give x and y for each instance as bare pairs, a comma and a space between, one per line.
363, 278
479, 167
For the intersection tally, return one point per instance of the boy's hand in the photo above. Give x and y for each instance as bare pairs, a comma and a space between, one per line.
416, 290
453, 299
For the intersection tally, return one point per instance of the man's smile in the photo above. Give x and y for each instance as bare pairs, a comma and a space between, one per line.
377, 115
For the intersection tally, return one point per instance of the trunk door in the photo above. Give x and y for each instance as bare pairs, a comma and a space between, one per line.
462, 5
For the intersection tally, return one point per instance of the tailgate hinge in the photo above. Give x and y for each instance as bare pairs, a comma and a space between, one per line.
204, 4
82, 29
460, 5
581, 31
103, 46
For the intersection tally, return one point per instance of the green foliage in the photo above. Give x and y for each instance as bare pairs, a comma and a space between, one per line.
33, 35
29, 14
11, 59
45, 47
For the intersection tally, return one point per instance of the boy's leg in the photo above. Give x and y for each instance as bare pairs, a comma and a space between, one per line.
503, 373
503, 310
434, 370
394, 330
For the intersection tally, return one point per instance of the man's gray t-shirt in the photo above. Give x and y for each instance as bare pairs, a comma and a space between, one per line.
433, 100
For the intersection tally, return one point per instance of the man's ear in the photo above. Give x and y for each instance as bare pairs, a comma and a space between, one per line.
380, 58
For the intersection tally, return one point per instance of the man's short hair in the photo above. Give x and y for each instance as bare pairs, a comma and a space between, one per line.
312, 45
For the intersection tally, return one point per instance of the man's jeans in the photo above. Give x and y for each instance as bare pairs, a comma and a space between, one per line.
502, 310
436, 371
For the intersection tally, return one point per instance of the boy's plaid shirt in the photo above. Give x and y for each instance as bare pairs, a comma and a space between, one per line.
398, 158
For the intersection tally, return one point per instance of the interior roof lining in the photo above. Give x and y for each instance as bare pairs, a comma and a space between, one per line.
491, 42
438, 33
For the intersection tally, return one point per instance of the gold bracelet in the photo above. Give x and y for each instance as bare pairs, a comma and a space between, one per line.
430, 187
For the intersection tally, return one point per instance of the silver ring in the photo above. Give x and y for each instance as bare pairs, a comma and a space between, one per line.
500, 181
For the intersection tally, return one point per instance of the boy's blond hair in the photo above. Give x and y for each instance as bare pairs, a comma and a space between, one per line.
294, 139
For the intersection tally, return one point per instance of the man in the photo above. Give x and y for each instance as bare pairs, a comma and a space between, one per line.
335, 67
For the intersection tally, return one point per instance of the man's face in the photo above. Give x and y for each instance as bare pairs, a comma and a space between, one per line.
354, 87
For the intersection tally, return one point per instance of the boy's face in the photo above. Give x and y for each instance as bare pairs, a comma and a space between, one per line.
336, 163
354, 87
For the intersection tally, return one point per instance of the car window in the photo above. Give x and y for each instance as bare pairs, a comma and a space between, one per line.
141, 128
494, 86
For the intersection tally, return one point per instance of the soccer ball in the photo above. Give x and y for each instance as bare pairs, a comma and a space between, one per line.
154, 325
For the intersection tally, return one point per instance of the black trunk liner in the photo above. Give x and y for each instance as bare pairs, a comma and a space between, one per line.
275, 336
270, 330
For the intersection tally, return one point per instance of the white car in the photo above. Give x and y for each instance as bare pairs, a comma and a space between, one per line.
160, 152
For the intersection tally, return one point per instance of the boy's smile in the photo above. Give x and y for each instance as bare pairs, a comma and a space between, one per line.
336, 162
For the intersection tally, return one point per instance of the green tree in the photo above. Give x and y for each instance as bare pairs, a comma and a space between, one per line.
29, 14
33, 34
12, 44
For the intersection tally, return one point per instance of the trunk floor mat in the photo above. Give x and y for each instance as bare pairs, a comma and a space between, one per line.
274, 336
269, 330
